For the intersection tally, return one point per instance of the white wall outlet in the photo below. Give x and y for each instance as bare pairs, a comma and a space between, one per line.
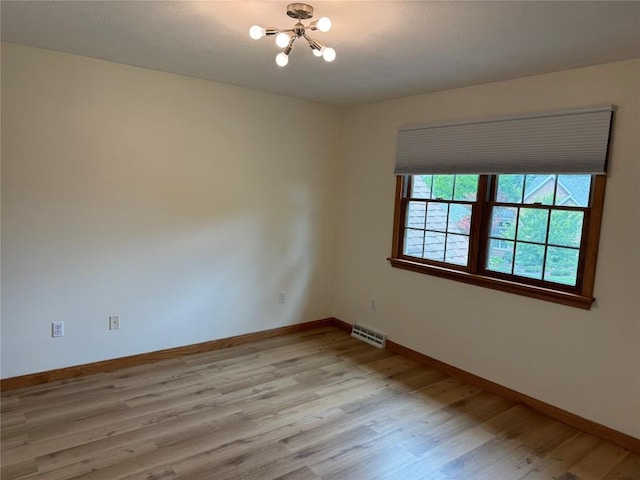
114, 322
374, 304
57, 329
282, 297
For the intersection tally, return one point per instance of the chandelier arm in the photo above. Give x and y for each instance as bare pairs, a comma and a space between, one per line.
289, 47
314, 44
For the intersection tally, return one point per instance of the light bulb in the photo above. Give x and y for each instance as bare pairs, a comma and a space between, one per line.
256, 32
317, 53
324, 24
282, 59
329, 54
282, 39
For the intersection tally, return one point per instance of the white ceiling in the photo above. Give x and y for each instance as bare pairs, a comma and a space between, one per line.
384, 49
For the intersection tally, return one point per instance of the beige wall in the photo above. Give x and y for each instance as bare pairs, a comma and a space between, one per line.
587, 362
186, 206
183, 205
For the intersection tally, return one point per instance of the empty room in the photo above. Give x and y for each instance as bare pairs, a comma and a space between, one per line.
343, 240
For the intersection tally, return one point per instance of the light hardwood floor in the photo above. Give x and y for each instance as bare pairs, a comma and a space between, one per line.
311, 405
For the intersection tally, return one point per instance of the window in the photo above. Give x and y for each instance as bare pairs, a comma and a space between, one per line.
531, 234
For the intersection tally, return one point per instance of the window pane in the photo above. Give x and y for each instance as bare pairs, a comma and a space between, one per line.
413, 242
437, 216
562, 265
500, 257
532, 224
510, 188
415, 214
573, 190
443, 187
459, 218
457, 249
528, 262
565, 228
503, 222
421, 186
466, 187
434, 246
539, 189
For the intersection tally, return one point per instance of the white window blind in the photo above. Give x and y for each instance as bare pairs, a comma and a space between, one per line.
573, 141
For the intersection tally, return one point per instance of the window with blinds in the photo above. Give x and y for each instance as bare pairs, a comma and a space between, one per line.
512, 203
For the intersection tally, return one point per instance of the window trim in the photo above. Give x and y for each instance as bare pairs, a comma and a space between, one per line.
580, 297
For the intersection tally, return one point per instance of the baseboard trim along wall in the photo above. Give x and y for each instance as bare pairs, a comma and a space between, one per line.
606, 433
115, 363
589, 426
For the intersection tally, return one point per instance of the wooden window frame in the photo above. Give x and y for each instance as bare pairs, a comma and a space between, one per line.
580, 296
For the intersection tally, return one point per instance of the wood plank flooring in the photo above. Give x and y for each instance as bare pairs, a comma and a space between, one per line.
312, 405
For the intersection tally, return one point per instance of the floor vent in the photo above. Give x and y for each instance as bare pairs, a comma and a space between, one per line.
370, 336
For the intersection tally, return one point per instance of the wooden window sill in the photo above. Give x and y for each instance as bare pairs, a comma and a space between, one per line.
556, 296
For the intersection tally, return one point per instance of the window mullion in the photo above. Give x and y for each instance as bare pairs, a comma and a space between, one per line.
446, 233
477, 237
515, 241
546, 238
424, 226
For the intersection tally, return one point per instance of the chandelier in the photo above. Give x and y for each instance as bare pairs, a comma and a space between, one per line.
286, 38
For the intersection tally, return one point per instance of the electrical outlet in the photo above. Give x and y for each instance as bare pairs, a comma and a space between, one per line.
282, 298
57, 329
114, 322
374, 304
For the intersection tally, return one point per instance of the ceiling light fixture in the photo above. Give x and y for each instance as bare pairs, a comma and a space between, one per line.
286, 38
